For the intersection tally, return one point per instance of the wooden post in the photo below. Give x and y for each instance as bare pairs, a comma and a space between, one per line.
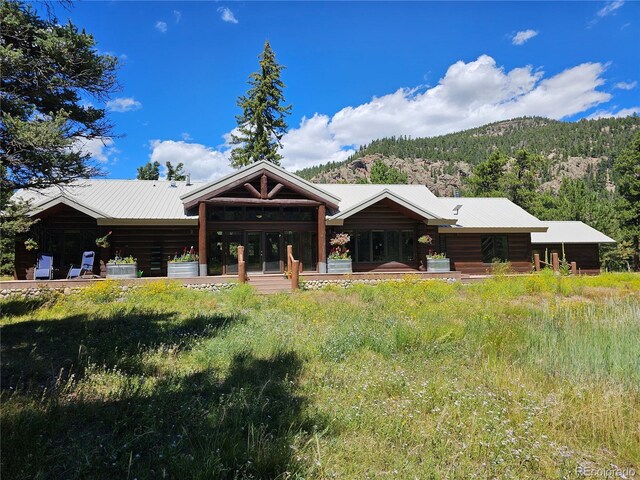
574, 268
295, 275
242, 268
322, 240
263, 186
555, 262
289, 255
536, 261
202, 238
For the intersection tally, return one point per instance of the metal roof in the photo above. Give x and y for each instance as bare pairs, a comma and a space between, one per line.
106, 200
418, 198
489, 213
157, 201
570, 232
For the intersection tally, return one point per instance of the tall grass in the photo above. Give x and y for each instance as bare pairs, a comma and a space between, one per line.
526, 377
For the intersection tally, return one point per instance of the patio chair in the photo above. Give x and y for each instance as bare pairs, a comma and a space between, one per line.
44, 267
85, 266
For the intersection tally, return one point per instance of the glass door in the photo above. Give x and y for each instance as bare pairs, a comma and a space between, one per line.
253, 252
233, 240
272, 252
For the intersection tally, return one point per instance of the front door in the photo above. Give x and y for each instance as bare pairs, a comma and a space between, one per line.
272, 252
253, 252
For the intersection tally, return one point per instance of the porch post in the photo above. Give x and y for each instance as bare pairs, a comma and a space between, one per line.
322, 240
202, 238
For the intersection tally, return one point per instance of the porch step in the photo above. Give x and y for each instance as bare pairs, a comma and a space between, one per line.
270, 283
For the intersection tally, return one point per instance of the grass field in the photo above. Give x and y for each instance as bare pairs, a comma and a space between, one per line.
532, 377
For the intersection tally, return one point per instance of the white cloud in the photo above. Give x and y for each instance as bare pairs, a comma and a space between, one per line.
522, 36
227, 15
202, 162
186, 136
123, 104
161, 26
468, 95
624, 112
610, 7
100, 149
626, 85
177, 14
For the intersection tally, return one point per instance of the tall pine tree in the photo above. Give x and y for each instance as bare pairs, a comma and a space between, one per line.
627, 169
261, 125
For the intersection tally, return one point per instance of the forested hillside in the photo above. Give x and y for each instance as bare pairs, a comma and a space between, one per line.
583, 149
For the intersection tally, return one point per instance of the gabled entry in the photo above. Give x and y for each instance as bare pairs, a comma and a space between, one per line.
261, 207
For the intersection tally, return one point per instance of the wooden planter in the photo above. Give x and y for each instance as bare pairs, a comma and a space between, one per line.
339, 265
122, 270
182, 269
438, 265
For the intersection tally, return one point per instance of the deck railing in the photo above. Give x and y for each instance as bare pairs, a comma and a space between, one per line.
555, 263
293, 268
242, 266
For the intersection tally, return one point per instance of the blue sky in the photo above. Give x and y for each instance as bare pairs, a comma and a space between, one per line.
356, 71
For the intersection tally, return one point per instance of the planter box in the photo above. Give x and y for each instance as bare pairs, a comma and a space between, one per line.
122, 270
438, 265
339, 265
182, 269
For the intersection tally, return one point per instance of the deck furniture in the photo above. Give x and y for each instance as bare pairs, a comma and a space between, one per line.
44, 267
85, 266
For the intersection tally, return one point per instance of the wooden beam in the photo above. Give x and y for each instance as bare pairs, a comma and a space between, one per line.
322, 239
283, 202
202, 239
555, 262
536, 261
252, 190
275, 190
263, 186
226, 188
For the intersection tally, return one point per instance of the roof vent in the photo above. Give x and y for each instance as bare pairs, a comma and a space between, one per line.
188, 182
456, 209
173, 182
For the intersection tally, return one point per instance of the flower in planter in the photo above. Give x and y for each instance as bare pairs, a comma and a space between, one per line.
435, 255
103, 242
339, 250
188, 255
118, 260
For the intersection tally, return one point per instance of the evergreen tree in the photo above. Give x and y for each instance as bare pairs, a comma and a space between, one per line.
48, 70
520, 182
382, 173
175, 173
150, 171
627, 169
261, 125
486, 178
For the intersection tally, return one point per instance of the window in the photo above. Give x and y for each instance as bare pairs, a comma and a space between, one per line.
377, 244
494, 247
383, 246
406, 244
363, 246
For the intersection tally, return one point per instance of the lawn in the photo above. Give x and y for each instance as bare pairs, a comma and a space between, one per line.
531, 377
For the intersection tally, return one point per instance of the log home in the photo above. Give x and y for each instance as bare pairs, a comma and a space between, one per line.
265, 208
